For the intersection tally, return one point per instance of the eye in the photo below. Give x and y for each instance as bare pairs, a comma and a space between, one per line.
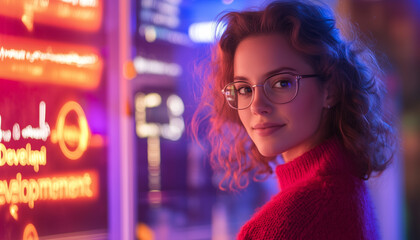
244, 90
283, 83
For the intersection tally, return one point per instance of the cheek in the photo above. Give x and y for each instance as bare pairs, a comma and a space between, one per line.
306, 112
244, 117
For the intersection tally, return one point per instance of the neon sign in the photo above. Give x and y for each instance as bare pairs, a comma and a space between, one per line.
84, 15
53, 168
49, 62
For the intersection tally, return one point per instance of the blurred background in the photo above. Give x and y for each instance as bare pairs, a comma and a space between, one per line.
96, 97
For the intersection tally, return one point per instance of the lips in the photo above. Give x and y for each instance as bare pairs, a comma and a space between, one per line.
266, 129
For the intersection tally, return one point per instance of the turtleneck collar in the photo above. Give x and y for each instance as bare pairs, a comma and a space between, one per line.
328, 158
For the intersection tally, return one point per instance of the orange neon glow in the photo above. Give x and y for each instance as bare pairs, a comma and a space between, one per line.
96, 141
71, 186
144, 232
129, 71
13, 209
85, 15
49, 62
71, 136
23, 156
30, 232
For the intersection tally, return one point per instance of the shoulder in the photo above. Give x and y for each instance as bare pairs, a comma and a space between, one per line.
332, 207
343, 211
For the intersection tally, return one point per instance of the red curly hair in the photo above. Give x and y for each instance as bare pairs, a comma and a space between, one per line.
357, 120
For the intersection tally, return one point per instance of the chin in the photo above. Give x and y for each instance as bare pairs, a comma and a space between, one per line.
268, 152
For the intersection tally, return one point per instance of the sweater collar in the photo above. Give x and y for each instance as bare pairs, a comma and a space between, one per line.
325, 159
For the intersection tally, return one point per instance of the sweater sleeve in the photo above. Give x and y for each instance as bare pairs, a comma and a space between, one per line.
323, 209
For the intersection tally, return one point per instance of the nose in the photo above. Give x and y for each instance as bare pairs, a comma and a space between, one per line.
261, 104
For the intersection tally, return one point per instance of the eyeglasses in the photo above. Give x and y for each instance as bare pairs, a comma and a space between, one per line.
278, 88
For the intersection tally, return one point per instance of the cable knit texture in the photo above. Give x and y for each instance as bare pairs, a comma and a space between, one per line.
320, 198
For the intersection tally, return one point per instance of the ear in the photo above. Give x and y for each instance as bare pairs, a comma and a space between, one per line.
330, 96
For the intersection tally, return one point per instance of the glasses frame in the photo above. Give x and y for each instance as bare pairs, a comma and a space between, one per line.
297, 79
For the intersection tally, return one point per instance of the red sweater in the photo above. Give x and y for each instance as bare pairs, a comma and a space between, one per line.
320, 198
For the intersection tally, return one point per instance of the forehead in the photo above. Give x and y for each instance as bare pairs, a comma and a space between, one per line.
257, 55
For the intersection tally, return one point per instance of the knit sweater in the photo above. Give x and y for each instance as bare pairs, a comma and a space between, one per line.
320, 198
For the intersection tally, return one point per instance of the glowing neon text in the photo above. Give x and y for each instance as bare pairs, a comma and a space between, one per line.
41, 132
70, 58
82, 3
85, 15
23, 156
5, 135
51, 62
44, 129
28, 191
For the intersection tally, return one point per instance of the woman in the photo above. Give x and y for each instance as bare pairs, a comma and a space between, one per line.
284, 82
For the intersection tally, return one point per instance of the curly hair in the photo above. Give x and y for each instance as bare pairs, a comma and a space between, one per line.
357, 119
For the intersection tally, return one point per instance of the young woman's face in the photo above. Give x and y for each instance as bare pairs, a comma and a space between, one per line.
289, 129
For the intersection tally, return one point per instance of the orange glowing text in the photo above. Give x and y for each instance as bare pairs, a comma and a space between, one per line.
23, 156
49, 62
84, 15
67, 187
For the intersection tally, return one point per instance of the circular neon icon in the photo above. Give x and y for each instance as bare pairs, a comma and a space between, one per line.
66, 135
30, 232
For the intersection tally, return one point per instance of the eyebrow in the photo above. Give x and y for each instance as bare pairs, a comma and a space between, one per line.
267, 74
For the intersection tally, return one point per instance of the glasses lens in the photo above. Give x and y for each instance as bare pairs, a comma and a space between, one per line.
238, 94
281, 88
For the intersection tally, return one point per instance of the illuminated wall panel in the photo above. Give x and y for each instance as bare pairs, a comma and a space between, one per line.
53, 121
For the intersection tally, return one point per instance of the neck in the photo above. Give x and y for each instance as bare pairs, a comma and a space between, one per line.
317, 138
302, 148
329, 157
